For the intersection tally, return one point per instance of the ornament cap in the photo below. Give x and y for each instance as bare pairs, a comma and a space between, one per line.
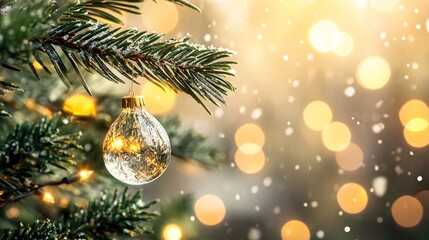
133, 102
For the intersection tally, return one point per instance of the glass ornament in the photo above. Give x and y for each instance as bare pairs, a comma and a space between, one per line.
136, 149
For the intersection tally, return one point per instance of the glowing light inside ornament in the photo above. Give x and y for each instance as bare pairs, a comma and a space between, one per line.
136, 149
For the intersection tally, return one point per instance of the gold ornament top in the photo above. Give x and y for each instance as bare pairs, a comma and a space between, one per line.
132, 102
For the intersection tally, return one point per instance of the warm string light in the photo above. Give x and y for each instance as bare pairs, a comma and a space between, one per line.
11, 196
48, 197
85, 174
172, 232
81, 105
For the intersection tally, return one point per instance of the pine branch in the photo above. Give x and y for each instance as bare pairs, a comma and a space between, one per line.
4, 113
93, 10
8, 87
194, 69
120, 214
38, 230
113, 213
190, 145
33, 149
20, 22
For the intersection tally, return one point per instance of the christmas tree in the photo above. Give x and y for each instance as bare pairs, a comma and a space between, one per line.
51, 132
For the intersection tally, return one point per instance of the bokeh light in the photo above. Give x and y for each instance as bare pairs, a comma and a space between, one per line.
250, 163
373, 72
295, 230
352, 198
423, 197
380, 185
417, 125
172, 232
345, 44
250, 138
350, 158
412, 109
210, 210
407, 211
158, 100
80, 104
48, 197
361, 3
317, 115
323, 36
383, 5
417, 139
336, 136
161, 16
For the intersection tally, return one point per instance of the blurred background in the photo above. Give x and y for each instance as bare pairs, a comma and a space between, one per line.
326, 135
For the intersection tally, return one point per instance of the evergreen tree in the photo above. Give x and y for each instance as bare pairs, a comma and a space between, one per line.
49, 152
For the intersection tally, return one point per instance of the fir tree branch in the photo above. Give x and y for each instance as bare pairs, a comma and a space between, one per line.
124, 214
194, 69
121, 214
95, 9
37, 230
190, 145
8, 87
16, 194
20, 22
31, 150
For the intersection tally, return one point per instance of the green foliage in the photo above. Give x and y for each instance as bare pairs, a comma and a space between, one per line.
69, 25
191, 145
194, 69
32, 149
38, 230
121, 213
99, 9
177, 211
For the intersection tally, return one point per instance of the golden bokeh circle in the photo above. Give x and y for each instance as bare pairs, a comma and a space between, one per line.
158, 100
172, 232
383, 5
352, 198
210, 210
350, 158
345, 44
161, 16
323, 36
336, 136
250, 163
317, 115
417, 139
373, 72
407, 211
250, 138
412, 109
295, 230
